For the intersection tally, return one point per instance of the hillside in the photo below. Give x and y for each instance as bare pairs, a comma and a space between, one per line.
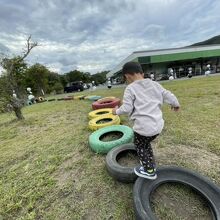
213, 40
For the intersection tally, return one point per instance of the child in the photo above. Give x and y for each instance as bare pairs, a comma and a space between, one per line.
93, 86
109, 84
142, 101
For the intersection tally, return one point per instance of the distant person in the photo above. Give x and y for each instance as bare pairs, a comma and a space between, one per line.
172, 74
189, 72
171, 77
208, 70
28, 89
14, 94
142, 101
181, 70
109, 84
31, 98
189, 75
152, 76
171, 71
93, 86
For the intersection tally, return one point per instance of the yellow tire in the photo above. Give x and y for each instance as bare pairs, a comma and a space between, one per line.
106, 98
79, 97
94, 124
100, 112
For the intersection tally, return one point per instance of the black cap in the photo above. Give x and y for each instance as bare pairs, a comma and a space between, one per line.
132, 68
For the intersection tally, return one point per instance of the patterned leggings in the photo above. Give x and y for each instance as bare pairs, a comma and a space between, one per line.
144, 150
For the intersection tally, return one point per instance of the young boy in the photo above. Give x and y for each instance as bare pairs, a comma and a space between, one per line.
142, 101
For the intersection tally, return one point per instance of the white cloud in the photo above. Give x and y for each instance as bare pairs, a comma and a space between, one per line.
1, 70
94, 35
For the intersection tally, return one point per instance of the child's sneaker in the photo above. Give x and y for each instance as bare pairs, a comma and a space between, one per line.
149, 174
150, 171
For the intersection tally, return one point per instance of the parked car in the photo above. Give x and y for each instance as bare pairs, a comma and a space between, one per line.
74, 86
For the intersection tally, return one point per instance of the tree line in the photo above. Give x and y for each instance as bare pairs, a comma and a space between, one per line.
17, 76
39, 77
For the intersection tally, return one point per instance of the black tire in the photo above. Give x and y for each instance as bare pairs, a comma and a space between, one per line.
51, 100
143, 189
117, 171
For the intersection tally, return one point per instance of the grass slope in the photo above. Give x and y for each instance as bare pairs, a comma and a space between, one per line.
47, 170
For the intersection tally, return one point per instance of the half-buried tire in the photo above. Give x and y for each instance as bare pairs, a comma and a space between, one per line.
67, 98
103, 147
119, 172
143, 189
89, 96
79, 97
51, 100
94, 98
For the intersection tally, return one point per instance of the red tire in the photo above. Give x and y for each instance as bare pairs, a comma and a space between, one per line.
108, 103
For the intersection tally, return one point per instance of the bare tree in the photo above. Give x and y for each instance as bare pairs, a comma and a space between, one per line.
9, 81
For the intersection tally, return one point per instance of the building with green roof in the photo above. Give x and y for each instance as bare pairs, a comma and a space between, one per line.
180, 60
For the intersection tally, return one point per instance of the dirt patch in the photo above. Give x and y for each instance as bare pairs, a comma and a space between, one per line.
203, 161
178, 200
128, 159
66, 171
172, 200
111, 136
91, 215
103, 121
80, 189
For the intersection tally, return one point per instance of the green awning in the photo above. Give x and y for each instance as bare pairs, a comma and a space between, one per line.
178, 56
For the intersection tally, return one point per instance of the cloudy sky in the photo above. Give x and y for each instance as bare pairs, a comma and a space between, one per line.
95, 35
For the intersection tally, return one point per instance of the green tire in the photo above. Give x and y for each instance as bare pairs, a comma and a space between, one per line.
94, 98
104, 147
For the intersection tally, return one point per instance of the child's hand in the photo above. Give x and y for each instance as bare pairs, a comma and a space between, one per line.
176, 109
114, 110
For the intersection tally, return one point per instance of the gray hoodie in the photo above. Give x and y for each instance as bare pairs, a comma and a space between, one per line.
142, 102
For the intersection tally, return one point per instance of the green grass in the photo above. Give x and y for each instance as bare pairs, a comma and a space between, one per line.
47, 170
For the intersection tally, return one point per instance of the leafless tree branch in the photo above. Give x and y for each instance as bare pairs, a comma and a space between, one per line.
29, 46
11, 83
